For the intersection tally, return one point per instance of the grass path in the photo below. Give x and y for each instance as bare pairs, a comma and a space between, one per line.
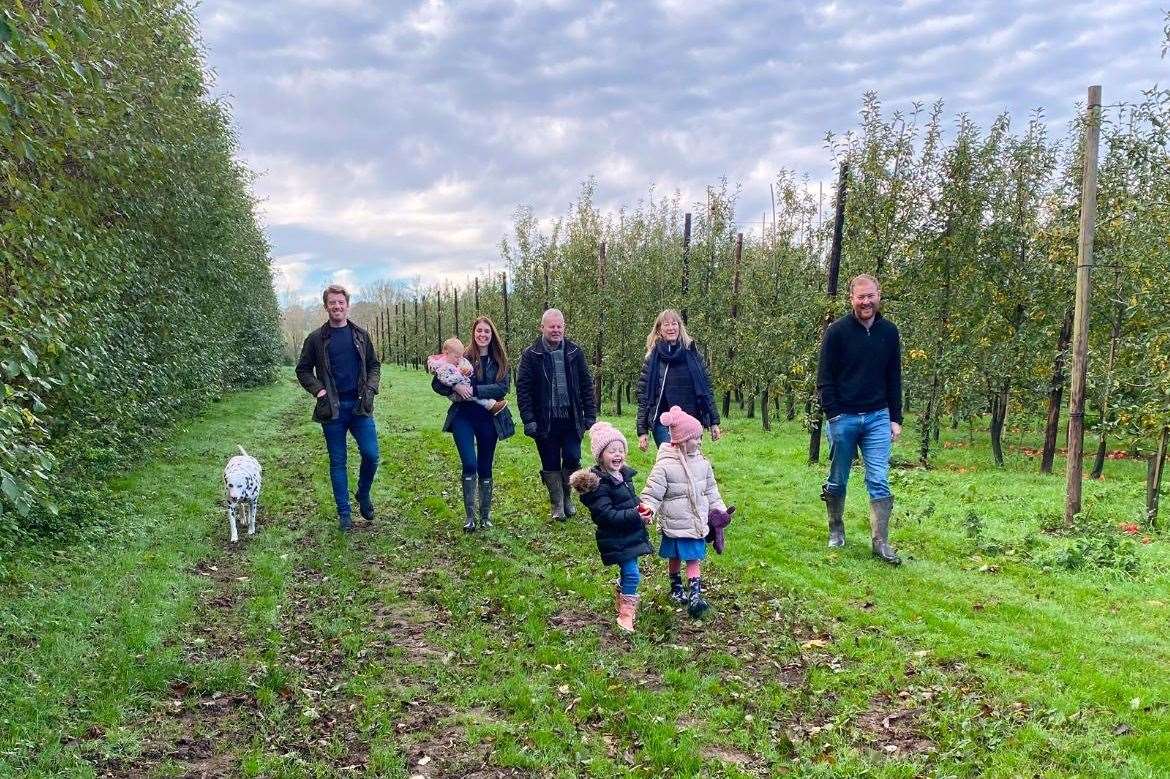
412, 649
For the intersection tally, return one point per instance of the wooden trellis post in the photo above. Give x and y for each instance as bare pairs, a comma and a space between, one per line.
814, 436
597, 372
1076, 403
686, 260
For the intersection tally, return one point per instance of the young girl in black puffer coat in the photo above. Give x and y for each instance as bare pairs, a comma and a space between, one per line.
607, 490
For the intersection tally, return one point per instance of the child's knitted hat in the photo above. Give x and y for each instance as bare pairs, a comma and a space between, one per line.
601, 435
683, 426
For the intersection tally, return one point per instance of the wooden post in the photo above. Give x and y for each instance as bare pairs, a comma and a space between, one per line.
405, 348
507, 318
439, 315
456, 310
397, 320
1076, 402
734, 315
686, 257
478, 310
414, 343
815, 410
546, 299
597, 374
383, 332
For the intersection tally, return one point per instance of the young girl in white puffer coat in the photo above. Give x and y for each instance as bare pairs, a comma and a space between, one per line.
681, 490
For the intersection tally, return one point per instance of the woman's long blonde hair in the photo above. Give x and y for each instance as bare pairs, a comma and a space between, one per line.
684, 337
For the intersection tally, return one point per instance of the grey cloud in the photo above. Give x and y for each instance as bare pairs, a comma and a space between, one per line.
398, 138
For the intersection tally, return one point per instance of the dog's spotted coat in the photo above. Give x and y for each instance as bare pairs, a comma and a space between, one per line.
242, 479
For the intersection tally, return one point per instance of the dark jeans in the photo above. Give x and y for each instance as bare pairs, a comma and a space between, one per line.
661, 434
561, 448
366, 436
475, 436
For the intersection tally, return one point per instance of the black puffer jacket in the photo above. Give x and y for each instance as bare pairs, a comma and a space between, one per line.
621, 534
485, 385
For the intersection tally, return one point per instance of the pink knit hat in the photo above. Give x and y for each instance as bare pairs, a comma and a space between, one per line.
683, 426
601, 435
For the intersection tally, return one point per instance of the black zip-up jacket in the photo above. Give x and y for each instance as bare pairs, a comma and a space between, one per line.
697, 398
861, 370
534, 389
484, 385
621, 534
313, 372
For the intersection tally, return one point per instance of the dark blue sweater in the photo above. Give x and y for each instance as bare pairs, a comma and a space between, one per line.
861, 370
343, 361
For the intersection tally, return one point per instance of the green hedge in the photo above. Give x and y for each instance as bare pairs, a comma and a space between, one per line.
136, 281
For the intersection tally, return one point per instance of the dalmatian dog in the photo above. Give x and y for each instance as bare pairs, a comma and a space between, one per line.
242, 479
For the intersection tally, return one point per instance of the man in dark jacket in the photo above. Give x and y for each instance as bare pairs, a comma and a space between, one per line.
554, 391
859, 378
338, 366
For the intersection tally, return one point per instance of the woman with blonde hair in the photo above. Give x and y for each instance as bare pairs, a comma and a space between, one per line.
673, 374
475, 429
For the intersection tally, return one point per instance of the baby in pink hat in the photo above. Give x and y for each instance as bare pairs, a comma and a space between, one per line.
681, 490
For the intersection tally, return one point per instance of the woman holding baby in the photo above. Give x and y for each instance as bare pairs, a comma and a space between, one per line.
474, 377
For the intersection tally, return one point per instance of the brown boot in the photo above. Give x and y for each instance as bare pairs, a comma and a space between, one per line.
627, 610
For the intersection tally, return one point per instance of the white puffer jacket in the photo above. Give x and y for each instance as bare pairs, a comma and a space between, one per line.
681, 489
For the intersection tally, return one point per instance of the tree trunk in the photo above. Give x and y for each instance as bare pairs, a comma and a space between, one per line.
766, 410
1114, 337
751, 406
727, 403
789, 401
617, 397
999, 401
1055, 394
924, 421
1154, 469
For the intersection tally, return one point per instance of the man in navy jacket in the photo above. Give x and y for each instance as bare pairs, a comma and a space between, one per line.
554, 391
859, 379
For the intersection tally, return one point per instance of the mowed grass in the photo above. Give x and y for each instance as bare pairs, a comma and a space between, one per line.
1006, 644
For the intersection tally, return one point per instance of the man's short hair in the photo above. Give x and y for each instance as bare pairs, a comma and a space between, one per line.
864, 277
334, 289
552, 313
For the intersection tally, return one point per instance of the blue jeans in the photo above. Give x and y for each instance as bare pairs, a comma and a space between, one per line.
630, 577
364, 432
475, 436
661, 434
871, 433
561, 448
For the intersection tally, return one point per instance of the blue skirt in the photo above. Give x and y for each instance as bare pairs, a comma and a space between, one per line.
683, 548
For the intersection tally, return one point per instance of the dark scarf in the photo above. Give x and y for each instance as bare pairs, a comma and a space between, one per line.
670, 354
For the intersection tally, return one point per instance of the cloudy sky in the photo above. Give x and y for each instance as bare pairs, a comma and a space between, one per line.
395, 140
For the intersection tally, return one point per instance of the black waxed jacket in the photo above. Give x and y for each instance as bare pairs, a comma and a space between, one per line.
314, 373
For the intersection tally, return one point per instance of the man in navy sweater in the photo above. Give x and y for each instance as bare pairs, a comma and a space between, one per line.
859, 379
339, 367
